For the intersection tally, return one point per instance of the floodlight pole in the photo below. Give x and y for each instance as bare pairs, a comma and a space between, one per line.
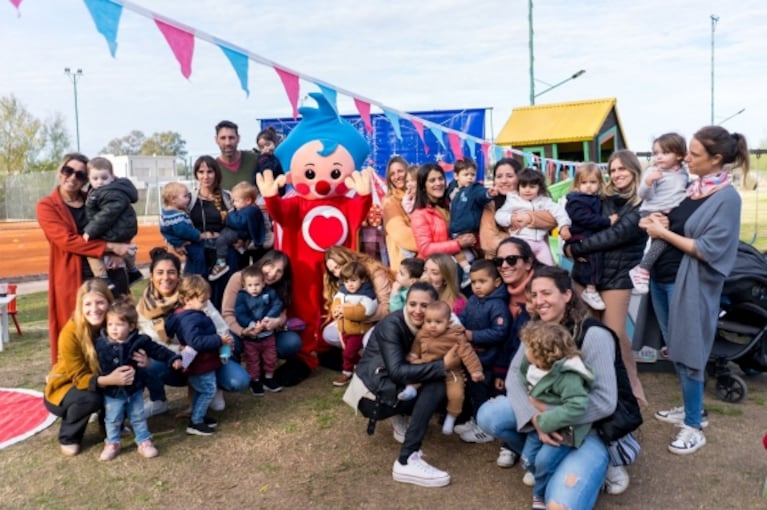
714, 20
75, 76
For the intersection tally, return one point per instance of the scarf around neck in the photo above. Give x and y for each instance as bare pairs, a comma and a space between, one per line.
155, 307
518, 297
708, 184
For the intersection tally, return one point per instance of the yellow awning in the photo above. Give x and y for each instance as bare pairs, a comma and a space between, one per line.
555, 123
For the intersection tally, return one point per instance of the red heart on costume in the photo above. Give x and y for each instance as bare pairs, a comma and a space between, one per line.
326, 231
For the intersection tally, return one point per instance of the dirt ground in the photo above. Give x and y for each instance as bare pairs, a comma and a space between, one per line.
305, 448
25, 249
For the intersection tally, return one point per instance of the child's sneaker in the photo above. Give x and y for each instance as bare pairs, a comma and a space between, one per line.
199, 429
271, 385
110, 451
506, 457
689, 440
147, 449
538, 503
210, 422
640, 278
342, 380
466, 281
645, 355
256, 388
593, 299
218, 271
528, 479
134, 275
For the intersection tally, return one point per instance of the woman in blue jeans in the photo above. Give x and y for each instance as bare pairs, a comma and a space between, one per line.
160, 299
579, 477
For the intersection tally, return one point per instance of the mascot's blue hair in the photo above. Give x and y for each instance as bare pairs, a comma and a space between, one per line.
323, 124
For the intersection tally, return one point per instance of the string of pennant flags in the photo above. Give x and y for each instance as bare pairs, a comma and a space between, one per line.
181, 40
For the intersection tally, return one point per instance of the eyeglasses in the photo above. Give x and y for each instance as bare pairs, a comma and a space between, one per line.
79, 174
509, 259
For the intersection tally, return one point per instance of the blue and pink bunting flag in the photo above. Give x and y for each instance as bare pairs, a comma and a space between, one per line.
363, 107
418, 125
106, 16
181, 44
290, 82
394, 119
438, 133
331, 95
455, 145
240, 64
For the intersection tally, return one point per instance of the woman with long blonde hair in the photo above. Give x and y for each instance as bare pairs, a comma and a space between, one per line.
72, 386
441, 271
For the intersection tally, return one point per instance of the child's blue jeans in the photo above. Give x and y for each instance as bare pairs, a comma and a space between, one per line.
204, 386
116, 409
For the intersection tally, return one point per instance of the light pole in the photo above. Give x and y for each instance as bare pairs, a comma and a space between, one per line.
532, 53
714, 20
75, 76
731, 116
552, 87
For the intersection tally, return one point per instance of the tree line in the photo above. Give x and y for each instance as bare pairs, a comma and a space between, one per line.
29, 144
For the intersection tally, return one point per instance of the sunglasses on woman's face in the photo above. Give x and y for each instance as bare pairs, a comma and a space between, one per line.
509, 259
80, 175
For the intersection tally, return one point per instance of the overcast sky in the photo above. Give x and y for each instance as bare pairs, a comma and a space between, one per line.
654, 56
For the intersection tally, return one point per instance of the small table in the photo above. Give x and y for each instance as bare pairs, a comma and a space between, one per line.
5, 336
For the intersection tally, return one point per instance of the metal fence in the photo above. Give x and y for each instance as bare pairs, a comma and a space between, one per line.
20, 193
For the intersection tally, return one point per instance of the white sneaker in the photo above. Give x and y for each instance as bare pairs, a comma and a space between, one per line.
476, 435
528, 479
218, 403
466, 281
616, 480
419, 472
689, 440
399, 425
155, 407
675, 416
506, 458
640, 278
464, 427
593, 299
645, 355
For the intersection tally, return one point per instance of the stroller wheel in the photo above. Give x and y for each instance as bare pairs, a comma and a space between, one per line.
731, 388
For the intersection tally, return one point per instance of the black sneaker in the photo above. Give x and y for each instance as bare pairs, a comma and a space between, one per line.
134, 275
271, 385
210, 422
199, 429
256, 388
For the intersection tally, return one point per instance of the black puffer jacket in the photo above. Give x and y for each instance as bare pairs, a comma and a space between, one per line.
622, 246
110, 214
383, 367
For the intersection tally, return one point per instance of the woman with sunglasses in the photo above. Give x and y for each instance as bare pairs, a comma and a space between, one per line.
61, 216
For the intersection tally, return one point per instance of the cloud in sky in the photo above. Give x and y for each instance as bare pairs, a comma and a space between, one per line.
653, 55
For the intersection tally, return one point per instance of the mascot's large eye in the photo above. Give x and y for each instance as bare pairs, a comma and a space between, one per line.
310, 174
336, 173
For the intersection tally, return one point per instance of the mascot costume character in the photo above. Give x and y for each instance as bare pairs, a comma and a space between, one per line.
321, 153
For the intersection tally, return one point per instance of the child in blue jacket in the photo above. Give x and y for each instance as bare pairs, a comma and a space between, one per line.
195, 329
486, 319
178, 230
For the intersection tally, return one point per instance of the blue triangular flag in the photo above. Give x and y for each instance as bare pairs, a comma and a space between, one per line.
239, 62
394, 119
331, 95
106, 16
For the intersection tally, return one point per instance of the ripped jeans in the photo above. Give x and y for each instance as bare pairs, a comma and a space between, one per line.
577, 480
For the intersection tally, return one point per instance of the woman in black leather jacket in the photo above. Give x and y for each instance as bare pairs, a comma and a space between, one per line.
385, 372
622, 246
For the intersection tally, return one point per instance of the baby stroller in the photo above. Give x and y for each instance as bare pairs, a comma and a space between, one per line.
742, 328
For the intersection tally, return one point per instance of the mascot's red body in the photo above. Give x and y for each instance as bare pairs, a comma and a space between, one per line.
321, 154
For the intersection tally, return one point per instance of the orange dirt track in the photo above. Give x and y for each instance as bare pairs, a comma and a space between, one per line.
24, 249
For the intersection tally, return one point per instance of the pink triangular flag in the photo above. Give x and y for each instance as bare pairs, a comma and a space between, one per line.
290, 82
485, 147
364, 108
418, 125
455, 145
181, 43
16, 3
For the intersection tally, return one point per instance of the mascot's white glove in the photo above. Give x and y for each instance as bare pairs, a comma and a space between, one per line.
361, 182
268, 185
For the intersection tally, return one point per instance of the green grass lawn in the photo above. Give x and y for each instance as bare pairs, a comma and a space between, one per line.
753, 223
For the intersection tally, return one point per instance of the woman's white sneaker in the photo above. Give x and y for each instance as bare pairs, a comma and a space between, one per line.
475, 434
419, 472
689, 440
506, 458
675, 416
